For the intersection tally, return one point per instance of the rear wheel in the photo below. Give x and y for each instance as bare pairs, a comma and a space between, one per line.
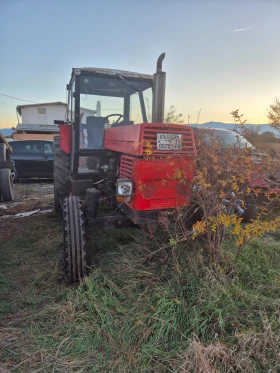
74, 239
61, 174
6, 184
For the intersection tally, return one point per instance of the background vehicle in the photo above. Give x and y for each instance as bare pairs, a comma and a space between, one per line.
33, 158
6, 183
245, 207
226, 137
126, 162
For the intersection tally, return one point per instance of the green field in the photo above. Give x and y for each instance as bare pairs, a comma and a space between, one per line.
173, 312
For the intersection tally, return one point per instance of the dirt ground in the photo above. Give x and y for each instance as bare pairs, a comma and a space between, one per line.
30, 195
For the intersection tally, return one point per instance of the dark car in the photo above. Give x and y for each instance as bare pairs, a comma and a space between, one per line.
33, 158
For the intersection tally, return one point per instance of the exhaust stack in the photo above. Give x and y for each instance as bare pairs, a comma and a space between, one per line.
159, 79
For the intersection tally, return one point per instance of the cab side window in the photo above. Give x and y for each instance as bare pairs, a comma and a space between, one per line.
28, 147
48, 149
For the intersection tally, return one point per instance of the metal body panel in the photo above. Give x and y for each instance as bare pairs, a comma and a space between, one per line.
79, 187
159, 183
113, 72
138, 138
5, 151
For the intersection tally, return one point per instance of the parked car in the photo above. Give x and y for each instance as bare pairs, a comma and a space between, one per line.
33, 158
225, 137
263, 182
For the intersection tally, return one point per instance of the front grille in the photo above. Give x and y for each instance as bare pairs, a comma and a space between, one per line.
150, 136
126, 167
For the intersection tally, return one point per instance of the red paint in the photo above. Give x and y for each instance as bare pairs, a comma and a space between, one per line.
132, 139
152, 179
153, 175
65, 136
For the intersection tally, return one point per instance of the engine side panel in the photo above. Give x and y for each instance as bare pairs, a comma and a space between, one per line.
159, 183
141, 139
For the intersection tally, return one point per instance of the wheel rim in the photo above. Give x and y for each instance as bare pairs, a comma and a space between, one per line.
240, 207
236, 208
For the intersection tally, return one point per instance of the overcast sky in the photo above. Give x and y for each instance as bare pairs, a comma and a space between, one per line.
221, 55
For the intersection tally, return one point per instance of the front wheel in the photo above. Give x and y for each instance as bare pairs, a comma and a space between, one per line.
74, 239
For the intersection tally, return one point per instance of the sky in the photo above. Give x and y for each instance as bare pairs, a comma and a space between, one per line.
221, 55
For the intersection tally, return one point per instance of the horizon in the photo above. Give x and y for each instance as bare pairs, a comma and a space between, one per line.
219, 56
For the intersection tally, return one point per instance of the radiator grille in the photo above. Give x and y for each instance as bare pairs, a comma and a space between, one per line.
126, 167
188, 142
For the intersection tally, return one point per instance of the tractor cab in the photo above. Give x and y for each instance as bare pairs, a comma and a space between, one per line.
99, 99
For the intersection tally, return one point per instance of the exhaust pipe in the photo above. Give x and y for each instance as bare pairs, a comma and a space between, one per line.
159, 79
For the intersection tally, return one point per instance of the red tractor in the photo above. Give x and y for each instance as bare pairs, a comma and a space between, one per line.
135, 167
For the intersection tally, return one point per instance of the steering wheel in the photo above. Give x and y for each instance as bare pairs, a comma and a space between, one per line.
119, 115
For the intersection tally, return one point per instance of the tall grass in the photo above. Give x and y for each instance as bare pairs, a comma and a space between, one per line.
136, 313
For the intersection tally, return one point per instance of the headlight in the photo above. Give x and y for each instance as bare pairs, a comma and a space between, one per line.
124, 187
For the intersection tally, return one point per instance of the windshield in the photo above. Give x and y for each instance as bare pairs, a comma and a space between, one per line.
100, 106
102, 96
109, 101
228, 138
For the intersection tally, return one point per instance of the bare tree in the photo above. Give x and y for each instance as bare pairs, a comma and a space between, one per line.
273, 114
171, 116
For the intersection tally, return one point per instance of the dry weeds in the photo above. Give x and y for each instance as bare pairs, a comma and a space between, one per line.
251, 353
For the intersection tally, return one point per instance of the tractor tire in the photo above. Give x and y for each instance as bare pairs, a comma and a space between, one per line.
6, 185
61, 175
74, 239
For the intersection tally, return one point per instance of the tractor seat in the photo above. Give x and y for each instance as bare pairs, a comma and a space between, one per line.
95, 132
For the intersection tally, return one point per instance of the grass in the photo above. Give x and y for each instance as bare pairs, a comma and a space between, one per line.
135, 313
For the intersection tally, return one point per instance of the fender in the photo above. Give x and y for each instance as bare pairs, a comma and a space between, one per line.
5, 151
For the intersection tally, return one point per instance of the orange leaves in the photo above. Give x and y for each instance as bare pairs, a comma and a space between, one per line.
227, 186
199, 228
149, 149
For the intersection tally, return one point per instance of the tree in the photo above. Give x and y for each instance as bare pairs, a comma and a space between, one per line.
268, 136
273, 114
171, 116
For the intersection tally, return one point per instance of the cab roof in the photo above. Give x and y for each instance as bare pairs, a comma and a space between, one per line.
113, 72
